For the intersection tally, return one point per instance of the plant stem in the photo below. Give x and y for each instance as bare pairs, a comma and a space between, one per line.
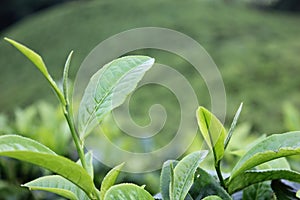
219, 173
77, 141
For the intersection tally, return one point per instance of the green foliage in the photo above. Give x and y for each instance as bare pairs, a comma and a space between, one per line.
213, 132
127, 192
58, 185
275, 146
108, 89
206, 185
109, 180
183, 177
256, 175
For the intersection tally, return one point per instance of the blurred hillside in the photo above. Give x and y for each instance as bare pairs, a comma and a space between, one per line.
256, 51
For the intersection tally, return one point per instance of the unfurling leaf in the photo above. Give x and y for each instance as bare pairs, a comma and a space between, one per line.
212, 131
109, 179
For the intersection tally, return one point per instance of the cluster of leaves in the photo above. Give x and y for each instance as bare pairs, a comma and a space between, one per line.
256, 173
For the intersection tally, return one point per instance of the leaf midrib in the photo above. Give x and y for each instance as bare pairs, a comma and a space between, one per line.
90, 118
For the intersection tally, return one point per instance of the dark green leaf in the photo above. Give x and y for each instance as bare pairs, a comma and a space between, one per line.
206, 185
284, 190
259, 191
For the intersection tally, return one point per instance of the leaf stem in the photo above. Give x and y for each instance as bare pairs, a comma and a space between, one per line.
219, 173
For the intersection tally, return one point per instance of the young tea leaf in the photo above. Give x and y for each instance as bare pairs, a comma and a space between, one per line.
256, 176
65, 77
109, 180
233, 124
165, 178
58, 185
184, 174
89, 162
28, 150
274, 146
39, 63
212, 131
127, 191
108, 89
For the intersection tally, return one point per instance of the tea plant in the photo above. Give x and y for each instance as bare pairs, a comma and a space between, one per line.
259, 173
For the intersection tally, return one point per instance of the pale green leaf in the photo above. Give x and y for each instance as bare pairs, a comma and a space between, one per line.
255, 176
184, 174
298, 194
212, 131
233, 125
58, 185
110, 179
28, 150
31, 55
65, 77
127, 191
165, 178
89, 163
212, 197
39, 63
275, 146
108, 88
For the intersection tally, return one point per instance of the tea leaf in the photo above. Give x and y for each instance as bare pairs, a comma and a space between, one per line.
58, 185
108, 89
65, 77
255, 176
89, 162
274, 146
206, 185
165, 178
39, 63
259, 191
109, 180
285, 190
212, 131
127, 191
184, 174
28, 150
233, 124
213, 197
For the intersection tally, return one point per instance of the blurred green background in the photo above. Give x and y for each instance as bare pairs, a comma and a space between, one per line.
255, 44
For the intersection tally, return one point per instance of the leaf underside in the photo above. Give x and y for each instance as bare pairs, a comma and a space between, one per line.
28, 150
58, 185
